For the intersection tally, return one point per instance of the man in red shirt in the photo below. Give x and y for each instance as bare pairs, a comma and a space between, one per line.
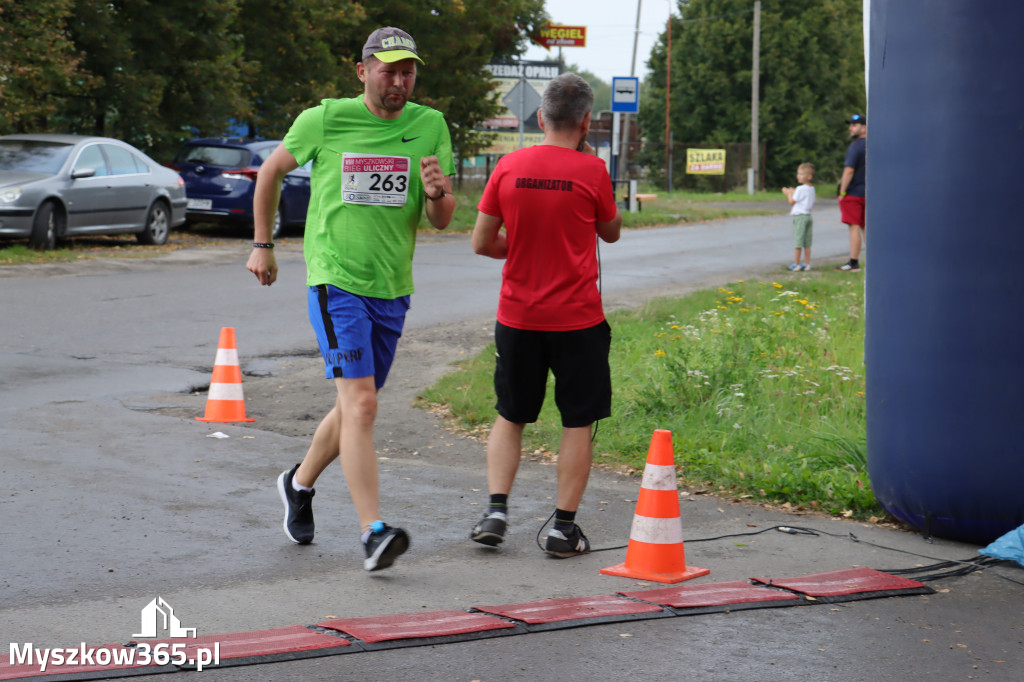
554, 200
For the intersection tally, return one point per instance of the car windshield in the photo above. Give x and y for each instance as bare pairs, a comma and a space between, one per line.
33, 156
232, 157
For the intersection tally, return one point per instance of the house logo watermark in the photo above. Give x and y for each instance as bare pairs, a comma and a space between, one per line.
159, 615
156, 618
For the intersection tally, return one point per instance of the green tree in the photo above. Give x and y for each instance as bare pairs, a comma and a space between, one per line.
161, 70
811, 79
39, 64
297, 53
157, 72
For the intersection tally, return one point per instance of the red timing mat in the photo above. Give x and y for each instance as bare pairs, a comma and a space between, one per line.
413, 625
712, 594
859, 583
440, 627
552, 610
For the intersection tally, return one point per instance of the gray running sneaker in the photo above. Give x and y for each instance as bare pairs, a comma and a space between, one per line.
384, 546
298, 509
564, 546
490, 530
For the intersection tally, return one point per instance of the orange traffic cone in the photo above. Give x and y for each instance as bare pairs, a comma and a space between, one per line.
225, 402
655, 550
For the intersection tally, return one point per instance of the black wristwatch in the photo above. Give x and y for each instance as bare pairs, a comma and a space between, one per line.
439, 196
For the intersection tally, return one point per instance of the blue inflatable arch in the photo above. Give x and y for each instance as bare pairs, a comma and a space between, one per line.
945, 264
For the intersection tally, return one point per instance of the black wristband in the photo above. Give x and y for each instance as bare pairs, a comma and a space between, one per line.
442, 195
262, 245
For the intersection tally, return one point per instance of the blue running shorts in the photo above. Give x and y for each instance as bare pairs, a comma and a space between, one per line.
357, 335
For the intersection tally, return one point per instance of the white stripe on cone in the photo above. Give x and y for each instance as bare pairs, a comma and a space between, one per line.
225, 392
226, 356
657, 531
659, 477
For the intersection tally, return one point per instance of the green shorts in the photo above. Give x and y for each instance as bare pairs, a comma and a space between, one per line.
802, 231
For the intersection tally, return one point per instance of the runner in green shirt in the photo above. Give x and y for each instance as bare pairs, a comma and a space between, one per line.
378, 161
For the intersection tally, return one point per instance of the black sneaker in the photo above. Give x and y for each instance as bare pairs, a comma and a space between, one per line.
848, 267
563, 546
383, 547
298, 509
490, 530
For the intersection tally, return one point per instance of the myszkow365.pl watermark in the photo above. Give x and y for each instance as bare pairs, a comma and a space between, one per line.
157, 616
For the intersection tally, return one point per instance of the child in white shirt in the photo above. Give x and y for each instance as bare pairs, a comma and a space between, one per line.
801, 199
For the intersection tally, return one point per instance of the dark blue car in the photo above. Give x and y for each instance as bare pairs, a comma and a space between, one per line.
220, 178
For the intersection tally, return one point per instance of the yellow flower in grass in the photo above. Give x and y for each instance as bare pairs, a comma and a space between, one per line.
776, 285
659, 353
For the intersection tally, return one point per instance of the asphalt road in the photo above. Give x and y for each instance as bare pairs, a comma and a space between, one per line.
112, 494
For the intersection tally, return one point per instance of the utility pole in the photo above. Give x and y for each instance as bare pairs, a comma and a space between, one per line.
755, 87
668, 99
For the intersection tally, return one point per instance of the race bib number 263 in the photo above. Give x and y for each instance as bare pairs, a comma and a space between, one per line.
374, 179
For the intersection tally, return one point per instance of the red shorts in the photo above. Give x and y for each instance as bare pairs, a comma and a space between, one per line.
852, 210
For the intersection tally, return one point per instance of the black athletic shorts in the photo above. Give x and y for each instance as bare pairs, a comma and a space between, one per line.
579, 361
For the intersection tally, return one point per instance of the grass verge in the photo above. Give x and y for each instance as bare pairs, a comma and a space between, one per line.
761, 384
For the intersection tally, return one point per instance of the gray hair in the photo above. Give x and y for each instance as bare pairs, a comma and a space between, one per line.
566, 101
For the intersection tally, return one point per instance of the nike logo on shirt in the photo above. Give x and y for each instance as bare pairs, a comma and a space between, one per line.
410, 139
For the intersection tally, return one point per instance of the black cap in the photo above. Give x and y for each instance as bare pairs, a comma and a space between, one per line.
857, 118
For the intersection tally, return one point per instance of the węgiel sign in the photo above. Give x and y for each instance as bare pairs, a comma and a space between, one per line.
551, 35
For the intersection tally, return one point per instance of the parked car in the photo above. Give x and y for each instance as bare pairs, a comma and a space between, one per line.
56, 186
220, 179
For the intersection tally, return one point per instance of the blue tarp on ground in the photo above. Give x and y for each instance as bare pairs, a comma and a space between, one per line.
1009, 547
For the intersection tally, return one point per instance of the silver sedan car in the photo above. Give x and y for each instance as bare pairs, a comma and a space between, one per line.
56, 186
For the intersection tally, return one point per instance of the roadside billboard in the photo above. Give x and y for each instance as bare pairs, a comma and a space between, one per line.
519, 85
552, 35
705, 161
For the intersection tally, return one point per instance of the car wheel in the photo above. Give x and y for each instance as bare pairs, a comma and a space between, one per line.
278, 222
46, 227
158, 225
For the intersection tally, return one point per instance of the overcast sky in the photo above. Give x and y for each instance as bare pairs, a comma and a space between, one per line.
611, 26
